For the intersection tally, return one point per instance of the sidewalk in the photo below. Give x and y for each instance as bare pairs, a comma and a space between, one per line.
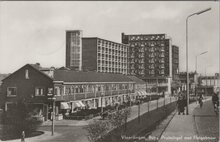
183, 128
78, 124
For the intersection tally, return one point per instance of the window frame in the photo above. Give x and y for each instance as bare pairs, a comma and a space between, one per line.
39, 87
12, 95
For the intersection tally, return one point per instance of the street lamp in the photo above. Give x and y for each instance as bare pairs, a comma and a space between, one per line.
187, 74
52, 98
196, 72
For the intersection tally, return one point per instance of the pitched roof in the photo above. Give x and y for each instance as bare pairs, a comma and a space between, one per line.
136, 79
2, 76
79, 76
35, 67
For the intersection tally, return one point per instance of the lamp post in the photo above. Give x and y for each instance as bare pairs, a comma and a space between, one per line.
53, 114
196, 72
52, 98
187, 74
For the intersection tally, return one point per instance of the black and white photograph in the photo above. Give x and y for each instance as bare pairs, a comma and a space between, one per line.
109, 71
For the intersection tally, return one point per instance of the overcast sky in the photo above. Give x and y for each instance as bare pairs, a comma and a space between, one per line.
33, 32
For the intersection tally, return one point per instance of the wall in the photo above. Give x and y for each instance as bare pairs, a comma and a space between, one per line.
26, 87
89, 54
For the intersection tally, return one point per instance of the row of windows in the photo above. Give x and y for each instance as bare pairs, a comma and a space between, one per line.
40, 91
100, 56
146, 37
111, 61
112, 49
117, 69
121, 65
107, 44
122, 71
147, 44
71, 89
112, 54
12, 91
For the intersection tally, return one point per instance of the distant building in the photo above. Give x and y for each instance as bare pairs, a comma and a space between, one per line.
74, 49
175, 62
95, 54
150, 58
140, 86
207, 84
149, 55
104, 56
183, 81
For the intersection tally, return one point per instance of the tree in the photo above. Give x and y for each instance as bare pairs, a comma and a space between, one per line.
19, 119
98, 129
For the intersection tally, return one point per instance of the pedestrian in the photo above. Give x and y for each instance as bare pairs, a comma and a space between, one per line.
22, 136
200, 101
215, 101
180, 105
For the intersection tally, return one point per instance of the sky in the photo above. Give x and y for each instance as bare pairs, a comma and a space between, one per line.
34, 32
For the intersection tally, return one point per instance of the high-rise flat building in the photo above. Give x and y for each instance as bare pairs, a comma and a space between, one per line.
175, 61
104, 56
74, 49
149, 55
95, 54
150, 58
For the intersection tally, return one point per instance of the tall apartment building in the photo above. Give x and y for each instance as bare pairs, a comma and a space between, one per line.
95, 54
150, 58
149, 55
74, 49
104, 56
175, 61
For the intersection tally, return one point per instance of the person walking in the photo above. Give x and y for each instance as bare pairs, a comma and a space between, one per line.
200, 100
215, 101
180, 105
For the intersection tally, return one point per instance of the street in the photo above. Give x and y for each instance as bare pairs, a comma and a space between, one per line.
78, 134
68, 134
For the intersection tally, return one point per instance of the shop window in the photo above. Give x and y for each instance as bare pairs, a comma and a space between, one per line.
39, 91
57, 91
11, 91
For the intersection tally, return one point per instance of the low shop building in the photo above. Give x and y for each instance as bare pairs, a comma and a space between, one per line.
72, 90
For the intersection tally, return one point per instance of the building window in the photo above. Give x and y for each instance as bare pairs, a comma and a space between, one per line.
11, 91
9, 106
26, 74
39, 91
57, 91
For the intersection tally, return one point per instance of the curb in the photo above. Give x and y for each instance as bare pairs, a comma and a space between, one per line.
45, 136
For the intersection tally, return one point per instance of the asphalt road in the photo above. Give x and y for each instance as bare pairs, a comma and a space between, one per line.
67, 134
78, 134
207, 122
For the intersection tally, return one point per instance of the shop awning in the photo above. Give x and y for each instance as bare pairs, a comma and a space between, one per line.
80, 102
145, 93
64, 105
76, 104
141, 93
